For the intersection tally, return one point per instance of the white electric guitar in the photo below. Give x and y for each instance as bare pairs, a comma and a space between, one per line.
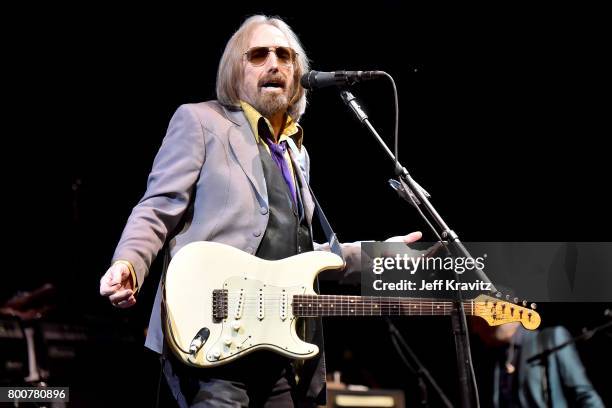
222, 303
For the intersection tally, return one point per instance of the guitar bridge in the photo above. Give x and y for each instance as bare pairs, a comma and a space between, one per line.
219, 305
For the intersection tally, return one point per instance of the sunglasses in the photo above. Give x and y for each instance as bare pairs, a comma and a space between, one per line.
259, 55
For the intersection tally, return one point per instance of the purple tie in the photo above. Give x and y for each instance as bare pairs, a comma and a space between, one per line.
278, 151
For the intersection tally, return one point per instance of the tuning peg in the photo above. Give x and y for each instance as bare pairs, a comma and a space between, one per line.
516, 300
524, 303
507, 297
498, 295
533, 306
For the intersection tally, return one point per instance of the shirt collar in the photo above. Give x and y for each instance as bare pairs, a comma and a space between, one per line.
291, 129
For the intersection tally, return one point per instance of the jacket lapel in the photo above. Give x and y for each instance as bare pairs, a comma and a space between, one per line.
243, 145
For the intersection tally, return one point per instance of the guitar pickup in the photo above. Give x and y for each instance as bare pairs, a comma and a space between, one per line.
219, 305
284, 305
240, 305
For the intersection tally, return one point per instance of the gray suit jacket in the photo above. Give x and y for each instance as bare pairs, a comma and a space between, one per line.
206, 184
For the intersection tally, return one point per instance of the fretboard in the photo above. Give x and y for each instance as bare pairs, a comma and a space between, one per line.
340, 305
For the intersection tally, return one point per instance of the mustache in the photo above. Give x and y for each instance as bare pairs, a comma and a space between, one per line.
275, 79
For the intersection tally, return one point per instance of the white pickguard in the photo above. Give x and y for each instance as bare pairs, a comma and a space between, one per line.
259, 296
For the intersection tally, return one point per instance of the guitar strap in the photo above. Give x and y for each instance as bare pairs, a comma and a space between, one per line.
330, 235
334, 244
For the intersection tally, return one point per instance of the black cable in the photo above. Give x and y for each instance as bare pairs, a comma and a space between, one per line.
397, 339
159, 379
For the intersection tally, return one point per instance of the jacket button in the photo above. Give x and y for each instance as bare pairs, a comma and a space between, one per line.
256, 233
263, 210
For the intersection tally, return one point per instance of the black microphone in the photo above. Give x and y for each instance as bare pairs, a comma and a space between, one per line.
317, 79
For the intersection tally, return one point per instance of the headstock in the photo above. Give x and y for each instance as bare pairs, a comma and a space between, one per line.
497, 312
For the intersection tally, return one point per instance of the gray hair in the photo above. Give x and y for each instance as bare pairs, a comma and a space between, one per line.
230, 72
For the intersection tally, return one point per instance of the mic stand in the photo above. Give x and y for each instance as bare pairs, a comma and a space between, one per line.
421, 371
418, 197
586, 335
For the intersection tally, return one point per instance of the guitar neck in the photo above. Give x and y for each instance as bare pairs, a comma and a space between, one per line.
340, 305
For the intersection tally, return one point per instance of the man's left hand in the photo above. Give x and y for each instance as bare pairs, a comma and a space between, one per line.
406, 239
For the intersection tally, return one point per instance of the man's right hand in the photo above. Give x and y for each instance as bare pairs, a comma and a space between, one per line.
118, 286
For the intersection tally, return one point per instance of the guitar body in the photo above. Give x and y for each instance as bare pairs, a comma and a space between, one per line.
237, 302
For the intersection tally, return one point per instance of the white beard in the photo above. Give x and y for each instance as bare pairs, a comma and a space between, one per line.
268, 104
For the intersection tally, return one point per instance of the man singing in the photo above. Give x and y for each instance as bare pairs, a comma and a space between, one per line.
233, 171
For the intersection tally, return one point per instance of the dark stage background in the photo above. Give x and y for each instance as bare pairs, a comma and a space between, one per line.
504, 113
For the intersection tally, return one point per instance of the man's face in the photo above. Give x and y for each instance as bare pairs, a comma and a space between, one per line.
267, 87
